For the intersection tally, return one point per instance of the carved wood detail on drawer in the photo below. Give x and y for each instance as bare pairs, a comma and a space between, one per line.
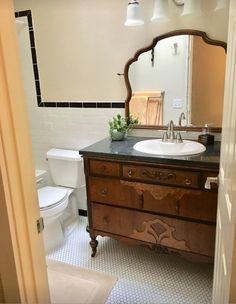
106, 168
159, 192
162, 176
157, 231
173, 233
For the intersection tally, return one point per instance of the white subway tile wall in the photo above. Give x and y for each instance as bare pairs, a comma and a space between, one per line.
68, 128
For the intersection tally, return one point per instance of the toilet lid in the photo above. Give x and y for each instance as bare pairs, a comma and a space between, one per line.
49, 196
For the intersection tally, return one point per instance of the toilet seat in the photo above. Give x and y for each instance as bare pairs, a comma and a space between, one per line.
50, 197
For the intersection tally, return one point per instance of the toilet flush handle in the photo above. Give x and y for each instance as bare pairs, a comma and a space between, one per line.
39, 180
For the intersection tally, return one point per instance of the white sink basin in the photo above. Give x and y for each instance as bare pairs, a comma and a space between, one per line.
158, 147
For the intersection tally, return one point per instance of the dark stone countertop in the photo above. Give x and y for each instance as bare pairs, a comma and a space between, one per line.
123, 150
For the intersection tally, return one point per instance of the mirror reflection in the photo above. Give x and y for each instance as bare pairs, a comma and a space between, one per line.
180, 78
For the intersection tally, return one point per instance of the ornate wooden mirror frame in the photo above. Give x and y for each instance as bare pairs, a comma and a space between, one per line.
150, 47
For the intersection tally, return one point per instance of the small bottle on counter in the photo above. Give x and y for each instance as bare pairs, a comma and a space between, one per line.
206, 138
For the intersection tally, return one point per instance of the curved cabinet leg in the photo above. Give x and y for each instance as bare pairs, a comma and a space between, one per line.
93, 243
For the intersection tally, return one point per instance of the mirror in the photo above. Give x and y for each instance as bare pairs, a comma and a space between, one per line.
180, 72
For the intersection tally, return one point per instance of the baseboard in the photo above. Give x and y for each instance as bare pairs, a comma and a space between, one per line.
83, 212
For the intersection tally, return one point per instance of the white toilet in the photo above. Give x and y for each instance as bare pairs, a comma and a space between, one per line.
58, 204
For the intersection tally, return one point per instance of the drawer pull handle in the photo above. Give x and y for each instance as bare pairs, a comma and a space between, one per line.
130, 173
187, 181
104, 191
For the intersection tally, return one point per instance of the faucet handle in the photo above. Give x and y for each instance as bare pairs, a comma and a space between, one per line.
165, 136
178, 137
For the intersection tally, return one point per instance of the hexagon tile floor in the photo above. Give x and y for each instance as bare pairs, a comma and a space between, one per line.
144, 277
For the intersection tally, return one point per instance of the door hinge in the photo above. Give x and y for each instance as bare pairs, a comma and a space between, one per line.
40, 225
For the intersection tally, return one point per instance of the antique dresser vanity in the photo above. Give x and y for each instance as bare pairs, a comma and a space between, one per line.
153, 200
158, 202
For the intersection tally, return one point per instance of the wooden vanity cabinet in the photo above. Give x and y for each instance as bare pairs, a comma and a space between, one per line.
163, 207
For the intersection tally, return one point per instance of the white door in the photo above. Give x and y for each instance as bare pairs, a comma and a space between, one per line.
224, 287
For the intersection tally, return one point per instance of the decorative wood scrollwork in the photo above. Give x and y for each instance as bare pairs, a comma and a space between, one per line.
159, 175
160, 249
160, 233
158, 192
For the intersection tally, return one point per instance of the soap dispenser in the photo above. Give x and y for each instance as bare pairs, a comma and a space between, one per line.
206, 138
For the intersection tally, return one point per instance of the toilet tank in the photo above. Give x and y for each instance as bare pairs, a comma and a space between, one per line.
66, 168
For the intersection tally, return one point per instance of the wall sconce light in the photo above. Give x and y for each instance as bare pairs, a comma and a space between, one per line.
160, 11
192, 7
221, 4
133, 17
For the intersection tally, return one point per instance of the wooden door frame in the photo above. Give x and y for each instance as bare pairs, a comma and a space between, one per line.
23, 276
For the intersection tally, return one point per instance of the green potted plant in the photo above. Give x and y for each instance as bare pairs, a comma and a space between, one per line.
119, 126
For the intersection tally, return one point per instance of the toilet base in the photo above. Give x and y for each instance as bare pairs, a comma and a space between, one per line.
69, 227
70, 216
53, 236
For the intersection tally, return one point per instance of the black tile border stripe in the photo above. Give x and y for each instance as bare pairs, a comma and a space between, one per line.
83, 212
84, 105
56, 104
28, 14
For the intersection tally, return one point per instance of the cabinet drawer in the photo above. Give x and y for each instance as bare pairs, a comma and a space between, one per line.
134, 195
173, 233
162, 176
193, 204
106, 168
113, 192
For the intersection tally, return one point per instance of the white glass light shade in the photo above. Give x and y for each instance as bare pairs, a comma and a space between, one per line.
133, 17
192, 7
160, 11
221, 4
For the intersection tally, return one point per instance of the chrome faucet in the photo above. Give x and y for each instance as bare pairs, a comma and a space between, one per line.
182, 116
170, 136
171, 133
